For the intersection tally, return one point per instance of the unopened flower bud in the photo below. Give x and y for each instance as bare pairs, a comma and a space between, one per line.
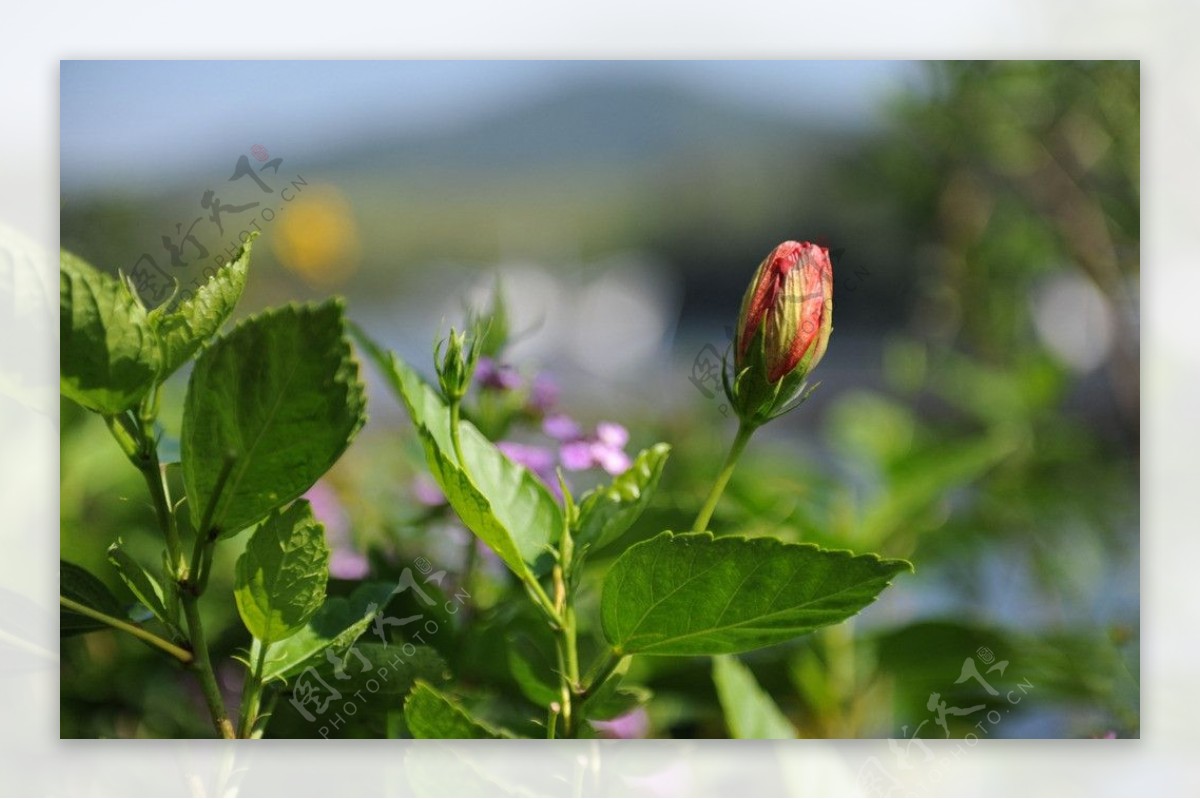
455, 359
783, 329
791, 302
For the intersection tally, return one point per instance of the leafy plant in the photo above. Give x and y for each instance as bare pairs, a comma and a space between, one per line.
270, 406
274, 402
676, 594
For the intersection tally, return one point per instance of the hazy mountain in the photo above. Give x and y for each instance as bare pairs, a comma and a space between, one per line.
585, 126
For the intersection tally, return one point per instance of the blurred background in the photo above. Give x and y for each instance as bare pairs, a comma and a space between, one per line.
979, 406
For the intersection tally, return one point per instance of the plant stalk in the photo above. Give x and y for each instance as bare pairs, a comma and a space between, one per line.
567, 648
472, 553
714, 495
203, 666
156, 482
126, 431
252, 693
455, 438
174, 651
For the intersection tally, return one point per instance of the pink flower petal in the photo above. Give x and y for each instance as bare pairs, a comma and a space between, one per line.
612, 434
345, 564
328, 510
614, 461
561, 427
537, 459
576, 456
634, 724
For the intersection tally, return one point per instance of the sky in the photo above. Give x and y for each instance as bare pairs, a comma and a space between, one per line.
133, 122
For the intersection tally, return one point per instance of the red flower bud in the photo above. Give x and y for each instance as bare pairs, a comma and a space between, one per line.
791, 301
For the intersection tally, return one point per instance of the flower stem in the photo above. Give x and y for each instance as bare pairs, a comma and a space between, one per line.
564, 697
735, 451
572, 639
471, 556
455, 439
252, 693
171, 649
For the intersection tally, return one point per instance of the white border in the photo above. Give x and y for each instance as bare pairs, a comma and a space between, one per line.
1161, 34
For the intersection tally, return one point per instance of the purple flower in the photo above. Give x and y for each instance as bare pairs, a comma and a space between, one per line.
498, 376
605, 449
612, 435
609, 458
328, 510
634, 724
346, 564
538, 460
543, 394
561, 427
576, 455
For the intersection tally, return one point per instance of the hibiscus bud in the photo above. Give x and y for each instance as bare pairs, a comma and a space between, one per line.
783, 330
791, 301
455, 359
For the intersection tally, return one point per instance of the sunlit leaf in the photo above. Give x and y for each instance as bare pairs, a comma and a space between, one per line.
608, 511
280, 579
611, 698
144, 585
109, 356
338, 624
693, 594
431, 714
497, 499
197, 317
279, 397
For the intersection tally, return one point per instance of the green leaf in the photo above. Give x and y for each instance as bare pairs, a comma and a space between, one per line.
109, 356
337, 625
282, 574
279, 395
531, 662
383, 673
618, 702
693, 594
431, 714
186, 327
749, 710
500, 501
78, 584
606, 513
611, 699
144, 585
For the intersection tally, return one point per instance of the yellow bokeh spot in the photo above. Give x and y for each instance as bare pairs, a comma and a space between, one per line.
316, 236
